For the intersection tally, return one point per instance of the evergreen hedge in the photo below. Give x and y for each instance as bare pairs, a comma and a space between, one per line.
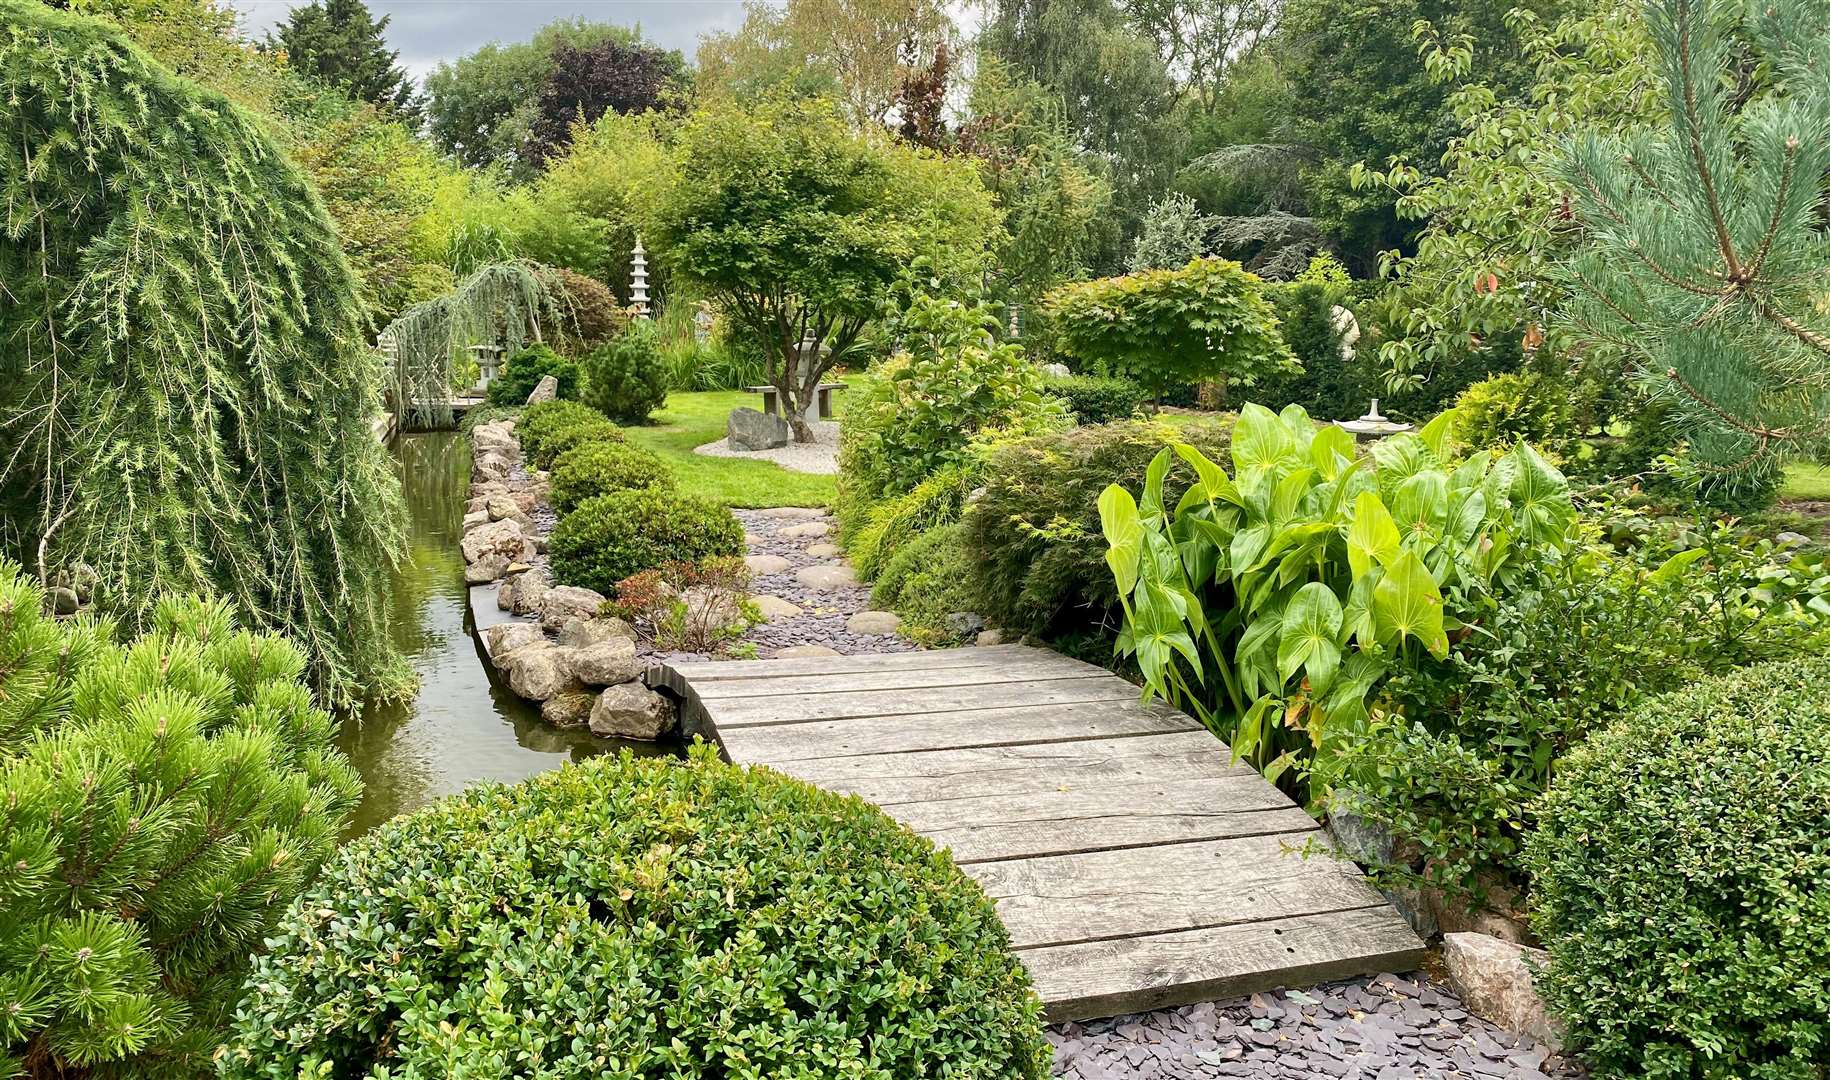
161, 803
184, 384
1681, 879
609, 537
599, 468
539, 426
631, 918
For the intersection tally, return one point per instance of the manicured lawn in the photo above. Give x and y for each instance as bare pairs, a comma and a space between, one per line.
691, 420
1806, 482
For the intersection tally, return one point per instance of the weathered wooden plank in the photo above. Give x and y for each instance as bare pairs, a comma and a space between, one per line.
732, 713
1134, 974
1019, 669
1125, 893
989, 656
923, 775
1009, 726
1103, 817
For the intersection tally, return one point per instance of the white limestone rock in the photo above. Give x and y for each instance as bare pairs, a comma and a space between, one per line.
632, 711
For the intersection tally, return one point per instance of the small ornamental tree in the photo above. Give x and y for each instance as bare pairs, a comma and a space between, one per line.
1708, 254
807, 230
161, 803
587, 81
1208, 321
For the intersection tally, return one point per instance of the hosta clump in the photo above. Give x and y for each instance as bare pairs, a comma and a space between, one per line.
633, 918
611, 537
1272, 602
1682, 882
161, 802
598, 468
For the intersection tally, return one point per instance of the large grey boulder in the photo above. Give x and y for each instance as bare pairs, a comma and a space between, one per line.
632, 711
1494, 980
606, 663
570, 709
486, 569
492, 467
540, 670
502, 538
578, 633
497, 438
529, 591
564, 603
751, 429
547, 389
504, 638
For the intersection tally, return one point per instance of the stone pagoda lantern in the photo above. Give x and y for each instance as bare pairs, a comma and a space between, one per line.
638, 280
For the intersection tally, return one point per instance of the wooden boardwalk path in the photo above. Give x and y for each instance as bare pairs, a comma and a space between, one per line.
1134, 865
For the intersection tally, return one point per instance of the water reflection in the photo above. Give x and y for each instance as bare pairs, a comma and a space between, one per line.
461, 727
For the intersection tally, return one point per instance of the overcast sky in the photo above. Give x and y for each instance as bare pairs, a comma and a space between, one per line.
428, 31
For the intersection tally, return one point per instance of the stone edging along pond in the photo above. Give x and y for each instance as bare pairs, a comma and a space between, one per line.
554, 647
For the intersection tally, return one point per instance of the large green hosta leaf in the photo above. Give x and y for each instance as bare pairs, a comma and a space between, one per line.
1373, 538
1262, 445
1540, 497
1310, 636
1118, 519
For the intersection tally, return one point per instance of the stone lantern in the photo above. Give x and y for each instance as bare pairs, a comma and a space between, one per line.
489, 363
638, 280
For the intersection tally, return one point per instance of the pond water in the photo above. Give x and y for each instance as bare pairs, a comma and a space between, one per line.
461, 727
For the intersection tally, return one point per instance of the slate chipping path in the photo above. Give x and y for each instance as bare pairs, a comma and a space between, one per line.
1389, 1027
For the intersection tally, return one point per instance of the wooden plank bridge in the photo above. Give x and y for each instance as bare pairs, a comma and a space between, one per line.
1134, 865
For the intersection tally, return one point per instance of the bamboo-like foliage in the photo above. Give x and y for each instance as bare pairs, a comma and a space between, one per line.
185, 398
499, 304
1709, 262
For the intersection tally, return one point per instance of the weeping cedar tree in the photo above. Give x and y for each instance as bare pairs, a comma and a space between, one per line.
161, 803
810, 231
185, 398
1708, 255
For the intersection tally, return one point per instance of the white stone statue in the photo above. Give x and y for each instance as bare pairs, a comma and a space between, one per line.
1347, 327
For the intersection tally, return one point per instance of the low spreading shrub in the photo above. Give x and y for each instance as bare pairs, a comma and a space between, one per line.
928, 579
1038, 558
161, 803
611, 537
599, 468
555, 445
634, 917
1093, 399
1682, 882
523, 372
539, 422
1502, 409
893, 523
626, 377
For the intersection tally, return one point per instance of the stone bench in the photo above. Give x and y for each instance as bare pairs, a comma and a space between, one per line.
772, 407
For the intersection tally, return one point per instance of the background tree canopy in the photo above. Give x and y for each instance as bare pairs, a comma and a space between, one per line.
183, 384
340, 43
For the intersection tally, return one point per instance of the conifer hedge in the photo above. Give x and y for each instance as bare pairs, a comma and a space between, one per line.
185, 395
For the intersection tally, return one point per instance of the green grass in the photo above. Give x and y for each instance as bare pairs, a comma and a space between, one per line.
691, 420
1806, 482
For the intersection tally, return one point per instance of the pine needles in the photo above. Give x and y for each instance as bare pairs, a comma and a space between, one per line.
185, 397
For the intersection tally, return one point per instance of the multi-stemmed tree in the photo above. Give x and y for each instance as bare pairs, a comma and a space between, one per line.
1708, 256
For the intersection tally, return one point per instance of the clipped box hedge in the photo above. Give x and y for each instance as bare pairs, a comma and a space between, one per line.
606, 538
638, 918
1681, 879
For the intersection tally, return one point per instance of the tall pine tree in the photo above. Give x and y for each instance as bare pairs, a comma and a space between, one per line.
340, 43
1708, 261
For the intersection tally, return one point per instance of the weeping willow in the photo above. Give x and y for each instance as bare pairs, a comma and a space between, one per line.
501, 304
185, 398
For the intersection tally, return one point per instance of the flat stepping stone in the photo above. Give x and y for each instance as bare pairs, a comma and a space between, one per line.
774, 607
794, 513
766, 564
825, 551
806, 528
874, 622
827, 576
794, 651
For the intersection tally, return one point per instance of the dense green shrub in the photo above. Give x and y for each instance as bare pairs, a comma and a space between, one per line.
536, 422
1039, 560
584, 433
1208, 321
929, 579
161, 803
599, 468
923, 409
609, 537
895, 521
636, 917
1682, 882
1503, 409
1329, 386
186, 391
626, 377
523, 372
1094, 399
590, 313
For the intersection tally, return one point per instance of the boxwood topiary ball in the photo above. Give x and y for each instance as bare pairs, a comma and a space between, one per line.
1681, 879
609, 537
639, 918
599, 468
540, 421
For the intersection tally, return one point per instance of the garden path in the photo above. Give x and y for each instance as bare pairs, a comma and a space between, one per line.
1383, 1027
